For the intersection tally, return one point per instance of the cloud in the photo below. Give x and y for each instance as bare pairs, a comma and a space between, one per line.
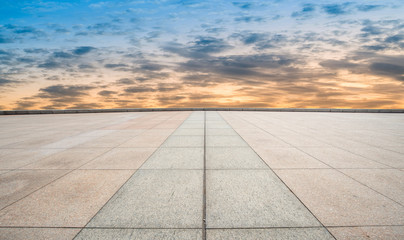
371, 30
83, 50
306, 12
86, 106
50, 64
388, 69
117, 65
106, 93
5, 39
202, 47
337, 9
369, 7
25, 104
243, 5
261, 41
4, 81
62, 55
125, 81
35, 50
61, 91
85, 66
395, 38
25, 60
338, 64
249, 19
139, 89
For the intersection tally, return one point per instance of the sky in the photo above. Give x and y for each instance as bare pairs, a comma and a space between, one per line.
189, 53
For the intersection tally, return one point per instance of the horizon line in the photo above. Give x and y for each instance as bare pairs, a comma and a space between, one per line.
68, 111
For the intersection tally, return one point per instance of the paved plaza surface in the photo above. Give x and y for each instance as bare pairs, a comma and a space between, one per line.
202, 175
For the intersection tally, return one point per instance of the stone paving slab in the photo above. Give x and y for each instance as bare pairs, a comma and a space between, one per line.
365, 233
270, 234
338, 200
184, 141
17, 184
233, 158
252, 199
120, 158
141, 234
155, 199
38, 233
278, 158
70, 201
176, 158
389, 182
67, 159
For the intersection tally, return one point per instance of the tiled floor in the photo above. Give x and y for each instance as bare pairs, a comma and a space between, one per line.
202, 175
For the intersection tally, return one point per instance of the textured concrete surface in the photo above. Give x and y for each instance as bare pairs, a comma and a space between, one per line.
202, 175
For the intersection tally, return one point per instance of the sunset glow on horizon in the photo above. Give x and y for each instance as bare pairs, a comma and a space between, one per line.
188, 53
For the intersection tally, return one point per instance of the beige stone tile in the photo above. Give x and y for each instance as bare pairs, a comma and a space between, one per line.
121, 158
38, 233
104, 142
368, 233
390, 158
17, 184
338, 158
69, 159
7, 151
287, 158
70, 201
337, 200
24, 157
140, 234
264, 141
150, 141
270, 234
389, 182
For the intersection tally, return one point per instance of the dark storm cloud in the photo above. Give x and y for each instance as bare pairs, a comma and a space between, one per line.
306, 12
387, 69
83, 50
337, 9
